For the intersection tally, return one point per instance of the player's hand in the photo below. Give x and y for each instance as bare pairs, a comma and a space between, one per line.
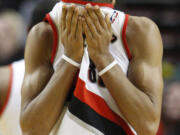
71, 34
98, 32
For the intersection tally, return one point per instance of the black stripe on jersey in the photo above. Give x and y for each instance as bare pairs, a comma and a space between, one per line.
89, 116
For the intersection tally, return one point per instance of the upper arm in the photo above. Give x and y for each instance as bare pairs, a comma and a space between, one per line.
145, 69
38, 68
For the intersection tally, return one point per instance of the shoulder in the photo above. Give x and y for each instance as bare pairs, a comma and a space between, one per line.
140, 22
42, 30
39, 44
143, 36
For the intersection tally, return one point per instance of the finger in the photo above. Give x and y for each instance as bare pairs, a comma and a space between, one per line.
108, 22
86, 30
63, 18
94, 17
100, 16
69, 17
79, 32
90, 24
74, 22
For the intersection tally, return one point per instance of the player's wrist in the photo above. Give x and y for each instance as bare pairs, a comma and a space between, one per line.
75, 57
70, 61
102, 60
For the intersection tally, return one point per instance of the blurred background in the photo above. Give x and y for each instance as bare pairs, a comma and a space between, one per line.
165, 13
15, 15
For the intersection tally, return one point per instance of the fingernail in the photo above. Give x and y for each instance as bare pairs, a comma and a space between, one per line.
83, 19
96, 7
76, 9
88, 5
72, 5
64, 6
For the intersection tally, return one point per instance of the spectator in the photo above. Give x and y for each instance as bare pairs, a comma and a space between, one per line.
12, 35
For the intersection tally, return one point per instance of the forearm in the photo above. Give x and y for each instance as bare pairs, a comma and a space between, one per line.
42, 112
135, 105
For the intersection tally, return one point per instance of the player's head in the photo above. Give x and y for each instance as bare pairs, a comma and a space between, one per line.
99, 1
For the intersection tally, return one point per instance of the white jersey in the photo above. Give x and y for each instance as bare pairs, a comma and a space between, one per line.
92, 110
10, 119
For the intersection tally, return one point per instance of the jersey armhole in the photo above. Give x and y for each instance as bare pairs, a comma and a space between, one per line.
55, 36
8, 92
124, 37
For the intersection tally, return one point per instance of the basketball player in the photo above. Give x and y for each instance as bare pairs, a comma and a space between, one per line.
119, 86
11, 78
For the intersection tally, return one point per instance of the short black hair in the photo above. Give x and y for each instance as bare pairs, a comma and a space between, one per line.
41, 9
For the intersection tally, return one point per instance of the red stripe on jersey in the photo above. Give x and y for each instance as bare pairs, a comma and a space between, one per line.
86, 2
55, 37
8, 91
161, 129
124, 37
99, 105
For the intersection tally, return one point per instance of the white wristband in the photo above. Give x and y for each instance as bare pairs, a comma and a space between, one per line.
103, 71
72, 62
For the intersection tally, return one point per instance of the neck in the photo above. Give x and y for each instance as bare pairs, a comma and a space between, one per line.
92, 2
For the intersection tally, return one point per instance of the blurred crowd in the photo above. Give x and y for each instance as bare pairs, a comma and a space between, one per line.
15, 17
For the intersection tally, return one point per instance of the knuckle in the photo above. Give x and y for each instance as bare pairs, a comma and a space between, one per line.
90, 23
85, 14
101, 30
68, 17
65, 32
98, 37
71, 36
